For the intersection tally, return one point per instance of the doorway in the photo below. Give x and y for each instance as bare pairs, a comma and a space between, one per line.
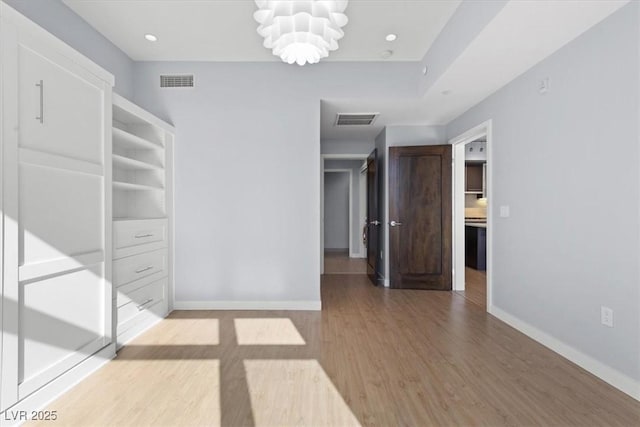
342, 201
472, 215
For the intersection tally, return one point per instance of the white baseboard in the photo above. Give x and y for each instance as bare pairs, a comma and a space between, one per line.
248, 305
617, 379
51, 391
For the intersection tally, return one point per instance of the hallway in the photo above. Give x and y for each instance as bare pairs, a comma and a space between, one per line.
339, 263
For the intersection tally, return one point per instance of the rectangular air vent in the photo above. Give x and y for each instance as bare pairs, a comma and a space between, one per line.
176, 80
355, 119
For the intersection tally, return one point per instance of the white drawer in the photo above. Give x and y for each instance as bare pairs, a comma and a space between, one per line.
136, 267
136, 236
135, 302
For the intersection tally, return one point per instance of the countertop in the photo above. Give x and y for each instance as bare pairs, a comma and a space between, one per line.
476, 224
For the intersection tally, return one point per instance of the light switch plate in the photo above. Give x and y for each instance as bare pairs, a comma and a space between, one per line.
504, 212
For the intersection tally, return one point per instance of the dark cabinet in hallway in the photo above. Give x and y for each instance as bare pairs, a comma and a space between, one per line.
475, 247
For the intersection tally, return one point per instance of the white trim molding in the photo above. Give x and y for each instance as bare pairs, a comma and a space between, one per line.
606, 373
458, 251
249, 305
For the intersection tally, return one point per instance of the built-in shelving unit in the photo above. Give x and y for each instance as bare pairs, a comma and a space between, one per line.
121, 185
142, 218
127, 163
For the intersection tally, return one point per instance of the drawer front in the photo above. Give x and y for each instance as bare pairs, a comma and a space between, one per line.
136, 236
140, 322
126, 270
135, 302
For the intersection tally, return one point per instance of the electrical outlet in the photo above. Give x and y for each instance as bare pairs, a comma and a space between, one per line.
606, 316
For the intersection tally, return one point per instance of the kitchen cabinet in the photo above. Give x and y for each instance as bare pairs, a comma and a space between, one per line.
475, 247
474, 182
476, 179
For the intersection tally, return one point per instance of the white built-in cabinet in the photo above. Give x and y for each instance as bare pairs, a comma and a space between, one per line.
56, 144
142, 217
86, 224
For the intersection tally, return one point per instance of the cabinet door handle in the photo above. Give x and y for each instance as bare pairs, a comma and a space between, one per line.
142, 306
144, 269
140, 236
41, 116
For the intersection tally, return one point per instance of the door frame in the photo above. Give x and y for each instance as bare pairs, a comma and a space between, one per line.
362, 202
324, 157
458, 144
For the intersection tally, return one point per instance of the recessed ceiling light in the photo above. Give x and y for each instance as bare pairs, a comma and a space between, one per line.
151, 37
391, 37
386, 54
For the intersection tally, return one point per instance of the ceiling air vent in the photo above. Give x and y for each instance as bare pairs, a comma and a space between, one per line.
181, 80
355, 119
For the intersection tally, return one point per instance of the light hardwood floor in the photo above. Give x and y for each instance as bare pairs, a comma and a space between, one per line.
374, 357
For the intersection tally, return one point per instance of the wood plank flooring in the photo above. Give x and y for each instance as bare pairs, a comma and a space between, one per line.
340, 263
371, 357
475, 287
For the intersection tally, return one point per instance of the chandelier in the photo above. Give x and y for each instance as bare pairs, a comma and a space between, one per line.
301, 31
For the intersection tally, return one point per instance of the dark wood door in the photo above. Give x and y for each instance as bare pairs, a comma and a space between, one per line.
420, 217
373, 218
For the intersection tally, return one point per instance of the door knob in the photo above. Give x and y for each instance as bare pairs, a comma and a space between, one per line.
374, 223
395, 224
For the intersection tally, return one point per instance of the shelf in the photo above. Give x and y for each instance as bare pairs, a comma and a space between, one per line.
130, 186
134, 141
137, 218
125, 111
122, 162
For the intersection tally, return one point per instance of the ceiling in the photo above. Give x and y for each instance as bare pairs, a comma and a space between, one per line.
224, 30
521, 35
398, 111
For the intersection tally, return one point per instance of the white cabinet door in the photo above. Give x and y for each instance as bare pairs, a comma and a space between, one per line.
57, 301
55, 97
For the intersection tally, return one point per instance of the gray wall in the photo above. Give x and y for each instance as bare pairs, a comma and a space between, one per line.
357, 216
248, 170
566, 162
330, 146
336, 210
62, 22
